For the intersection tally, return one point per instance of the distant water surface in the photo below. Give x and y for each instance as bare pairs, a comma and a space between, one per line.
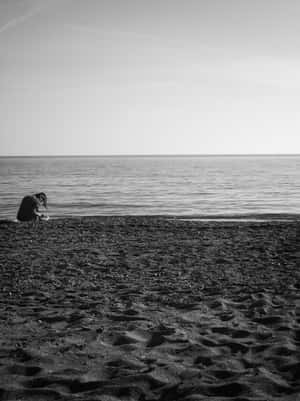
191, 185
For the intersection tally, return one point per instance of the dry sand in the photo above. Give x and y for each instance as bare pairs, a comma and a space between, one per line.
145, 308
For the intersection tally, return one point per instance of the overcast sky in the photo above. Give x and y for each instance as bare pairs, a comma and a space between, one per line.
149, 76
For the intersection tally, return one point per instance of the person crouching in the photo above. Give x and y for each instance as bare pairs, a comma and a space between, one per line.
29, 209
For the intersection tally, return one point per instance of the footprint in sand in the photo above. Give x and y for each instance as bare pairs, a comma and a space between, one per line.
23, 370
131, 337
149, 338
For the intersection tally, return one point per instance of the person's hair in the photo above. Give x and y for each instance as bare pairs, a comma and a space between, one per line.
42, 198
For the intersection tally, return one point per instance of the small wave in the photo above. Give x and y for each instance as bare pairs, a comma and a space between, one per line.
88, 205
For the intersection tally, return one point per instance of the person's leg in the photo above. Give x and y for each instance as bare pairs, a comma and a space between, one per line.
35, 221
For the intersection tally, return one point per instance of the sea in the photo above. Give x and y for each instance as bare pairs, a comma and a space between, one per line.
153, 185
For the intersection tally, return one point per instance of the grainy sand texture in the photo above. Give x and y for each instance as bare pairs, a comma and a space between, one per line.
148, 308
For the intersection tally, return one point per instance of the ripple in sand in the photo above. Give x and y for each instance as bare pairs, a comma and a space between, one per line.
124, 317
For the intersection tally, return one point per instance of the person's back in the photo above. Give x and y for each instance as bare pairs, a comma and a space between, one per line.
29, 208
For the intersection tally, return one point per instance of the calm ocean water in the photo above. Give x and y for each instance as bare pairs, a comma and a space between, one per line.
78, 186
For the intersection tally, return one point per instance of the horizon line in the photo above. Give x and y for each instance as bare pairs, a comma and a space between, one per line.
155, 155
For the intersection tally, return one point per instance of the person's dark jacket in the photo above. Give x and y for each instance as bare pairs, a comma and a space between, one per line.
29, 209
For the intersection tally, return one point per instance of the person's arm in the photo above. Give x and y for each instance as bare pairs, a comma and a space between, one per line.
37, 213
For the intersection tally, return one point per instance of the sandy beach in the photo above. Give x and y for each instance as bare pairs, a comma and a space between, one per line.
150, 308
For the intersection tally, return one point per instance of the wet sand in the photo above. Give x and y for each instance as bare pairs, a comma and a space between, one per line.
147, 308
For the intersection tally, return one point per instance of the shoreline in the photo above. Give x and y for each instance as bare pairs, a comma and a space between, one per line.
234, 217
149, 308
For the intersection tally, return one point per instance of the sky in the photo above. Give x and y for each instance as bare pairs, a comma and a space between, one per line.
89, 77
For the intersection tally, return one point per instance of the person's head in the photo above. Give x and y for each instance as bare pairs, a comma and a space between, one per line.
42, 197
